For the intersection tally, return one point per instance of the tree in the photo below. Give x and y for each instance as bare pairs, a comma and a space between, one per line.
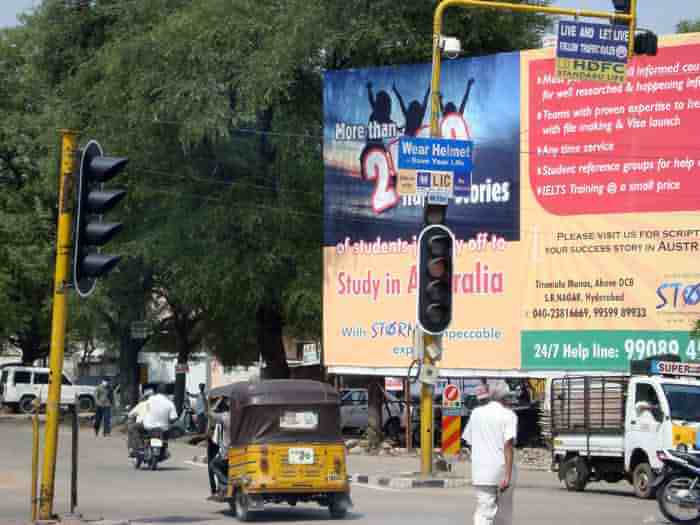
27, 207
688, 26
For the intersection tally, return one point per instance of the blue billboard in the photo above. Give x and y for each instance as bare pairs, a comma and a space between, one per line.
367, 111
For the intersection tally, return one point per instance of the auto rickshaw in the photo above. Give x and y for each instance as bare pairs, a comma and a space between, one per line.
285, 447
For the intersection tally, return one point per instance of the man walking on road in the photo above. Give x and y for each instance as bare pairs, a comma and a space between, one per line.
104, 398
491, 432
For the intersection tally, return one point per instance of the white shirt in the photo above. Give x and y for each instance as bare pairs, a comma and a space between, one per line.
489, 428
161, 411
223, 419
139, 411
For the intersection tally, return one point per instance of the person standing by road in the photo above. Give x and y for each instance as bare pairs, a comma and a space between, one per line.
104, 399
491, 431
218, 445
200, 409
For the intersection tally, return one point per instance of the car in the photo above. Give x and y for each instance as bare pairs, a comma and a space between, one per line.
354, 410
21, 385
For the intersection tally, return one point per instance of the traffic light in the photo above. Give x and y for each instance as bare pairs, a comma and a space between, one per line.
646, 43
622, 6
435, 266
90, 232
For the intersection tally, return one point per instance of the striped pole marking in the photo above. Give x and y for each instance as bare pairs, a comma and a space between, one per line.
451, 426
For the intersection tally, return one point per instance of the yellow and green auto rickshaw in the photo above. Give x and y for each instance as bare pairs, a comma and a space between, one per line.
284, 446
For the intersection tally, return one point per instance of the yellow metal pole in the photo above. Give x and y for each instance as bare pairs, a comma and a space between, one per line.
35, 457
633, 27
426, 418
526, 8
58, 321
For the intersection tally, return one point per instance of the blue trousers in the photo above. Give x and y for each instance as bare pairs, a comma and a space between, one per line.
103, 415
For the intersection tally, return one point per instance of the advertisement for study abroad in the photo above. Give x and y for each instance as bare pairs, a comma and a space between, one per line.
577, 245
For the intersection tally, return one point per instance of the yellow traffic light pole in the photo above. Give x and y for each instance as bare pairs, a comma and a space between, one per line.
426, 400
58, 321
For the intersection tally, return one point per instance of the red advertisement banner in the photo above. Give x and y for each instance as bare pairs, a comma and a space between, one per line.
617, 148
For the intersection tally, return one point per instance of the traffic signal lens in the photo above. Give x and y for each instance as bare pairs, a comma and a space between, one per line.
437, 268
439, 245
437, 291
437, 313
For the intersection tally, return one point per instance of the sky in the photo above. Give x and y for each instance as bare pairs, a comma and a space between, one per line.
661, 16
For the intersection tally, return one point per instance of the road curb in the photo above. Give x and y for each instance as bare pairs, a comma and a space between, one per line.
407, 481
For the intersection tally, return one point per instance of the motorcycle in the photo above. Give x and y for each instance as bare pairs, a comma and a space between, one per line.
678, 486
154, 450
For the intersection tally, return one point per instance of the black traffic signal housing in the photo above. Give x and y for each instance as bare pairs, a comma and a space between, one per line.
622, 6
646, 42
435, 268
90, 233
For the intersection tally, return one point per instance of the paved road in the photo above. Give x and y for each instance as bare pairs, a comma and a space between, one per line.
111, 489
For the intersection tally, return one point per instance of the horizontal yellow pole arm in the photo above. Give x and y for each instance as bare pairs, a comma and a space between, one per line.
526, 8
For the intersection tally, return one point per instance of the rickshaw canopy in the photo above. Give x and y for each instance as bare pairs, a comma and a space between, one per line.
282, 411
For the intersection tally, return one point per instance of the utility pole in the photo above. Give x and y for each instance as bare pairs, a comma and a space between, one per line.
58, 321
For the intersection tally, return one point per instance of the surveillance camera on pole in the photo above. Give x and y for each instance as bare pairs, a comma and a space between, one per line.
451, 46
90, 232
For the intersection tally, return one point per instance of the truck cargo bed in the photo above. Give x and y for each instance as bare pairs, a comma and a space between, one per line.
590, 405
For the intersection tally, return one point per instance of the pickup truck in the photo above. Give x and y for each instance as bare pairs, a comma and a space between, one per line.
609, 428
21, 385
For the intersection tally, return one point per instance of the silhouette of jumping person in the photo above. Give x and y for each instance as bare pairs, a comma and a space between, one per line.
454, 125
381, 112
413, 116
451, 108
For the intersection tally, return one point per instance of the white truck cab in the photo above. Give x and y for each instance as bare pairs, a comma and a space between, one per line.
21, 385
610, 428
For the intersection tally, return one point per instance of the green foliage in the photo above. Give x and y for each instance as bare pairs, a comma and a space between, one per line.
688, 26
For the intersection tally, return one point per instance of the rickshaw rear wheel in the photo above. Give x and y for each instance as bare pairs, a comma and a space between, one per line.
337, 507
240, 506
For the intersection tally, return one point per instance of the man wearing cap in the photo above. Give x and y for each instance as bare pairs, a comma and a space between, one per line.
491, 433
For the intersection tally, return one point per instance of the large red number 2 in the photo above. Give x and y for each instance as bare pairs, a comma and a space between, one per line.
378, 167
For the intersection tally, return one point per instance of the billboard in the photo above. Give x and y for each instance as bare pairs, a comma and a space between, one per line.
578, 242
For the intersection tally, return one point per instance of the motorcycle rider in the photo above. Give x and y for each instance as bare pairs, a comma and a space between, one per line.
161, 411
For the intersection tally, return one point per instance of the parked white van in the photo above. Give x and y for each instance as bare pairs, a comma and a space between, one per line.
21, 385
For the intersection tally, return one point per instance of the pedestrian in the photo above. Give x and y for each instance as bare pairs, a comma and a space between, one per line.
218, 446
491, 432
104, 400
200, 409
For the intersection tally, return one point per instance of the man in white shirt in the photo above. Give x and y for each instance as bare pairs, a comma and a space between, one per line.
491, 432
161, 411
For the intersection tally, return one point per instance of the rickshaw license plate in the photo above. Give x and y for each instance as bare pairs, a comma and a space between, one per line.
155, 442
301, 456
